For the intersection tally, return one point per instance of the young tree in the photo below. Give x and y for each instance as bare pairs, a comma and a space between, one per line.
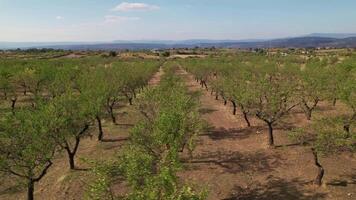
151, 161
347, 95
327, 137
26, 148
78, 116
94, 92
275, 98
313, 88
239, 88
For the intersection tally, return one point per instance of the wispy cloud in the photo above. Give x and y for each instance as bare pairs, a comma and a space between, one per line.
125, 7
59, 17
116, 19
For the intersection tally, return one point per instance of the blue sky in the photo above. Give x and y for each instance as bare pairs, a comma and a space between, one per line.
105, 20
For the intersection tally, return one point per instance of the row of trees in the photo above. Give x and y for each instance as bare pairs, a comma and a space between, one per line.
270, 87
150, 161
58, 103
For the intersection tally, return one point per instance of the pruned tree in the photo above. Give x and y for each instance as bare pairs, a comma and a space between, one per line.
275, 99
26, 148
240, 91
313, 88
94, 92
347, 94
78, 116
151, 161
326, 137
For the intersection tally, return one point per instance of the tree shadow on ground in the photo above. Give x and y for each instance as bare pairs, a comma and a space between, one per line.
206, 110
232, 133
235, 162
285, 126
114, 139
122, 125
13, 189
276, 189
344, 180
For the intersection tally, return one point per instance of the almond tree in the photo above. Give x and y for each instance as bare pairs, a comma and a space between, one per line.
347, 94
327, 137
26, 148
94, 92
8, 87
240, 91
78, 116
151, 161
313, 88
275, 92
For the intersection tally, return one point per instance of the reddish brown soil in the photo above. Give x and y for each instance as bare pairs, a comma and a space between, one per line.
231, 160
60, 183
234, 162
156, 78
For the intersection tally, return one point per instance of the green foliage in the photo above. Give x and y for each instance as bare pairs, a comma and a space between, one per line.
166, 54
331, 136
150, 162
300, 136
99, 188
26, 148
327, 136
171, 123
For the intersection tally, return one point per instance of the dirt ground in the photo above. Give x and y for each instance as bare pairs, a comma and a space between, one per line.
61, 183
156, 78
233, 162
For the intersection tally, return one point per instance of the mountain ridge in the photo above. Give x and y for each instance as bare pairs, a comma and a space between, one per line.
337, 40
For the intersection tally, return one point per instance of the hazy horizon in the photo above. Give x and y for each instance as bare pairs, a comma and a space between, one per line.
104, 21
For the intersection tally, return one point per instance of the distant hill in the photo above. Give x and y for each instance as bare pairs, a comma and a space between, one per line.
333, 35
300, 42
312, 40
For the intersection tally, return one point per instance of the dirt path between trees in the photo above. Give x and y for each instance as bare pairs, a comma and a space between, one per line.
62, 183
156, 77
234, 162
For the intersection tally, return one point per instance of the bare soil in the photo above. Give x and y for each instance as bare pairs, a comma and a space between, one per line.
156, 78
231, 160
234, 162
61, 183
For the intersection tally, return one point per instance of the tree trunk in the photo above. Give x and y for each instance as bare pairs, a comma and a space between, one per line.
112, 115
205, 85
234, 107
30, 190
101, 133
13, 103
319, 177
347, 124
270, 134
71, 160
225, 101
246, 118
309, 109
71, 155
334, 101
